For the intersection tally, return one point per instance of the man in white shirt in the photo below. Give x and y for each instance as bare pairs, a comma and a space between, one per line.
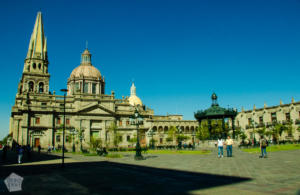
220, 147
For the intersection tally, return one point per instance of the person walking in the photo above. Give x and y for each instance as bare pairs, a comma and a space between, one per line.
39, 149
229, 143
220, 144
20, 154
28, 151
263, 146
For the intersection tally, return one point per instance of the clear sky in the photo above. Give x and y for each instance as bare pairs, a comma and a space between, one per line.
178, 52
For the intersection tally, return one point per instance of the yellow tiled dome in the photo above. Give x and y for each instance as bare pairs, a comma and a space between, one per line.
85, 71
135, 100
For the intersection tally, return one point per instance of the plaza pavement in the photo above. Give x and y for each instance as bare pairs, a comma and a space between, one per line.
244, 173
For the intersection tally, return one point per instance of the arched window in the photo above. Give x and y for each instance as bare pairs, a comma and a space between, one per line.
41, 87
187, 129
165, 129
40, 65
154, 129
34, 65
30, 86
160, 129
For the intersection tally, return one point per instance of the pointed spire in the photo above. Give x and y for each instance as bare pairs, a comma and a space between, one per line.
293, 100
280, 102
132, 89
254, 107
265, 105
37, 45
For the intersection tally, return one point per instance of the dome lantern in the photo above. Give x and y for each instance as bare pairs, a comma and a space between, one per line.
133, 99
86, 78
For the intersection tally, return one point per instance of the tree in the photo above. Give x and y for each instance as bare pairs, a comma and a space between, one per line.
238, 132
171, 134
243, 136
96, 143
216, 128
133, 140
278, 129
261, 131
269, 133
181, 138
4, 140
115, 135
289, 129
202, 132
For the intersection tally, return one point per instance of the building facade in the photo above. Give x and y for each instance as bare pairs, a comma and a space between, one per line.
269, 117
37, 116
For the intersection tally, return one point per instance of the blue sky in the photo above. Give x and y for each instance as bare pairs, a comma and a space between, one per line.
178, 52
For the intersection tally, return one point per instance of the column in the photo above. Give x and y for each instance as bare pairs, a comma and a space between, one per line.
87, 133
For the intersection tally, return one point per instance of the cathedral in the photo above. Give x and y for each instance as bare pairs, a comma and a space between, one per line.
37, 116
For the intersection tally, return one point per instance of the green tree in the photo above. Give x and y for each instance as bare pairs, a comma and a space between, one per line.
171, 134
278, 129
202, 132
269, 133
96, 143
243, 136
114, 133
261, 131
133, 140
289, 129
5, 139
238, 132
181, 137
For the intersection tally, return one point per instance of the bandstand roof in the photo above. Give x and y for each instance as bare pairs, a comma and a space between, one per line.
215, 111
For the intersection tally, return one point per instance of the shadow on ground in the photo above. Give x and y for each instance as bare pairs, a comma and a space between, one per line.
12, 158
112, 178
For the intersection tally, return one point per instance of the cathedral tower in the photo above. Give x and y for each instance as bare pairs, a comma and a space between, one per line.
35, 77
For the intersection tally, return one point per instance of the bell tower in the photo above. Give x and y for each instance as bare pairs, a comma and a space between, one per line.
35, 77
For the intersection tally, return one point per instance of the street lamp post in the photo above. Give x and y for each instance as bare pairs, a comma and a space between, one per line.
193, 135
63, 146
179, 130
151, 133
137, 120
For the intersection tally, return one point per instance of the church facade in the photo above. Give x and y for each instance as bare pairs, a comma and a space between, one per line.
37, 116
